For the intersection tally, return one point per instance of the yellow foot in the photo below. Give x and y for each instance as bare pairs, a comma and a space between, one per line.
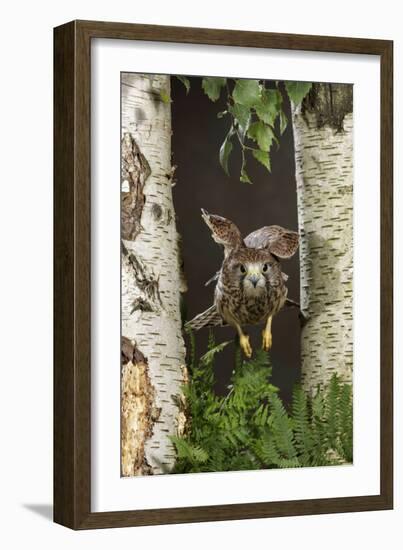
267, 340
245, 345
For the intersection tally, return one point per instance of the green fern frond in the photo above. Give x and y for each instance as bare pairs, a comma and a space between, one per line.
318, 430
266, 450
281, 427
188, 451
211, 340
250, 427
208, 358
332, 412
192, 350
270, 455
345, 448
238, 361
301, 424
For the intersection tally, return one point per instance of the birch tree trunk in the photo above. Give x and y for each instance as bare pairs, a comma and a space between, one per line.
153, 352
323, 136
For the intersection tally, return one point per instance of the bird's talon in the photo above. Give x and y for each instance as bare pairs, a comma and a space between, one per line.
245, 345
267, 340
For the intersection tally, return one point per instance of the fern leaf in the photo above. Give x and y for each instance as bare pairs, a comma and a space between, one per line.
301, 425
346, 423
186, 450
332, 412
208, 358
318, 430
192, 359
281, 427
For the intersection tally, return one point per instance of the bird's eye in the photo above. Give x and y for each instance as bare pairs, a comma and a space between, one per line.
265, 268
242, 268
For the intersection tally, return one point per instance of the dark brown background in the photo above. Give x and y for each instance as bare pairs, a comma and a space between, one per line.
202, 183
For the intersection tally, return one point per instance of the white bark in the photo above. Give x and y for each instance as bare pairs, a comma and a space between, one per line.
150, 281
324, 176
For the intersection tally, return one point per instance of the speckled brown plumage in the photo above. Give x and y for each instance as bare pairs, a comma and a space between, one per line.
250, 285
281, 242
237, 297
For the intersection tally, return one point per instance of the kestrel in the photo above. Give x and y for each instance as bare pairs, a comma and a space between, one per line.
250, 285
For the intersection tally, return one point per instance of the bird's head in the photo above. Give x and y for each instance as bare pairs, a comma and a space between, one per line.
253, 275
254, 269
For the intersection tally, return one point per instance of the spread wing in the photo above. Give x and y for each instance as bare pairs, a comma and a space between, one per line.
223, 231
208, 318
279, 241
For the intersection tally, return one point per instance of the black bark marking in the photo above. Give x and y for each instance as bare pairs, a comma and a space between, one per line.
330, 103
139, 304
135, 171
146, 282
156, 211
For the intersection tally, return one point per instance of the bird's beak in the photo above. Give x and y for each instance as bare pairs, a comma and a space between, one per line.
253, 276
254, 279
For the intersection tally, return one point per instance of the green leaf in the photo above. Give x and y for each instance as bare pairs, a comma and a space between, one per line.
283, 122
332, 412
263, 157
165, 96
297, 90
185, 81
346, 422
244, 177
209, 355
241, 115
301, 424
281, 425
186, 450
225, 151
269, 106
250, 427
212, 86
247, 92
262, 134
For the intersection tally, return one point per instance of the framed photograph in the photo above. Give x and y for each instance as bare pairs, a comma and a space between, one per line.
222, 275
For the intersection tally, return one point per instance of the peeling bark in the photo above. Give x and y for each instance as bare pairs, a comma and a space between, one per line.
151, 277
323, 135
184, 418
138, 411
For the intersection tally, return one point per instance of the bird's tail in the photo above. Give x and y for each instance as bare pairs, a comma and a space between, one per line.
209, 318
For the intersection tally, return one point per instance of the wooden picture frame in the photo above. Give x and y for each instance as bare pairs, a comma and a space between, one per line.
72, 270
